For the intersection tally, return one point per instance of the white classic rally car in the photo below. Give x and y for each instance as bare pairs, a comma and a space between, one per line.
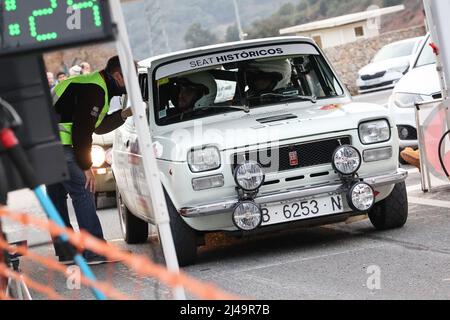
257, 136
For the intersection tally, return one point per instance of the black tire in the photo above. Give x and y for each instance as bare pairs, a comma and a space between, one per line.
392, 212
134, 230
184, 237
96, 200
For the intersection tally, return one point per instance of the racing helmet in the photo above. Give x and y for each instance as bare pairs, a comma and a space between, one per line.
280, 71
204, 85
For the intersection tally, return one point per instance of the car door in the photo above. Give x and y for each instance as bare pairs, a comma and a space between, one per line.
128, 166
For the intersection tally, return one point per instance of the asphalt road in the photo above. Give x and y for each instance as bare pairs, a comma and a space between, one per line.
330, 262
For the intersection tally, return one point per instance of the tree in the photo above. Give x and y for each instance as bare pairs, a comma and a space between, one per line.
232, 34
196, 36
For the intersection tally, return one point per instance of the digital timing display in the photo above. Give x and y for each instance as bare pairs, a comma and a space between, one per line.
38, 25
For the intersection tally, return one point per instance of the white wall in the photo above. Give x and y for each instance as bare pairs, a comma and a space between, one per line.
341, 35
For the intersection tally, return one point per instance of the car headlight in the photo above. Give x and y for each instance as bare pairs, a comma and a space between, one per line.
249, 176
98, 156
109, 156
206, 159
374, 131
406, 100
247, 216
361, 197
346, 160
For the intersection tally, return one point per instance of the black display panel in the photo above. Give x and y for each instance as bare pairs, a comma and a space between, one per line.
40, 25
26, 88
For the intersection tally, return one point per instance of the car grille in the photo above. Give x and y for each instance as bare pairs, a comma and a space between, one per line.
373, 76
437, 96
293, 157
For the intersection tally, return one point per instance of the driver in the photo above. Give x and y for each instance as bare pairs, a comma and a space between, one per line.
194, 91
267, 76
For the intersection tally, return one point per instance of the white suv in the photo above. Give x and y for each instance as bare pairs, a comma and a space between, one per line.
421, 84
282, 146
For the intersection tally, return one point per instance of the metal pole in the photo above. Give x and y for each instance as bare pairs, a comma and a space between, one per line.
146, 145
437, 19
238, 21
3, 280
438, 22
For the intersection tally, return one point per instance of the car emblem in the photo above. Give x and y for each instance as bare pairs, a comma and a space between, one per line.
293, 158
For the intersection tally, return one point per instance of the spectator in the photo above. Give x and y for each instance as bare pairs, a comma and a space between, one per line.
61, 76
85, 68
75, 71
51, 80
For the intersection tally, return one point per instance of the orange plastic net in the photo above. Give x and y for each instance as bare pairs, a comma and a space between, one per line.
140, 264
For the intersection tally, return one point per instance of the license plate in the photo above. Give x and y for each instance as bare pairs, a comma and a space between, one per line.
301, 209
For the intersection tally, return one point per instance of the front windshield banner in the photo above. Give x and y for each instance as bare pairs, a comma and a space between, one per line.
234, 56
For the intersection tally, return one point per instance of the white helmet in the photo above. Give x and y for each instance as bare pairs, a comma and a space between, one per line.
206, 82
281, 70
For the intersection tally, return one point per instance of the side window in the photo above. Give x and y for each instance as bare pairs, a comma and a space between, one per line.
143, 83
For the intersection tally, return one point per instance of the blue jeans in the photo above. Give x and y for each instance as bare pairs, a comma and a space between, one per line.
82, 200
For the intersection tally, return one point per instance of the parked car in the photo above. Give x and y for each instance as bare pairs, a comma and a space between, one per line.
388, 66
101, 155
102, 159
289, 149
419, 85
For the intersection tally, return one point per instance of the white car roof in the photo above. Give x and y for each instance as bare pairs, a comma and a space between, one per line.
223, 46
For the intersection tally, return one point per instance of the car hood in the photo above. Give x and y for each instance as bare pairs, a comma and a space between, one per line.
413, 82
234, 132
385, 65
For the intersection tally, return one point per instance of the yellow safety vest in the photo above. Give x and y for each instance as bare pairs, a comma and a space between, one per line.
65, 129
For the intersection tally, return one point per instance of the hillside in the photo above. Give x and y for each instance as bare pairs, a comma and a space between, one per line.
171, 20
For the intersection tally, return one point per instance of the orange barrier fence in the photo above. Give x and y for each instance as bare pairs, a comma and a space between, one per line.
8, 273
138, 263
107, 289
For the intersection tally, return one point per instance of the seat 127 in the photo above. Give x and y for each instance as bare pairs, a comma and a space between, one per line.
264, 137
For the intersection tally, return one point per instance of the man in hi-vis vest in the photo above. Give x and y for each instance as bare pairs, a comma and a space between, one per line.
82, 105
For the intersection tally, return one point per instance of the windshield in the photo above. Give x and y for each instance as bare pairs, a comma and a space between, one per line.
241, 86
396, 50
426, 56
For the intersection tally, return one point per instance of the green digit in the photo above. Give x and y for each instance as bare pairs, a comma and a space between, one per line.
92, 4
10, 5
14, 30
41, 13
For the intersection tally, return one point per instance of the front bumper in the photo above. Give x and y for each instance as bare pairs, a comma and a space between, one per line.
290, 195
388, 81
104, 180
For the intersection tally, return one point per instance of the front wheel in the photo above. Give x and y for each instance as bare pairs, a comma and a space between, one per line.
392, 212
134, 230
184, 237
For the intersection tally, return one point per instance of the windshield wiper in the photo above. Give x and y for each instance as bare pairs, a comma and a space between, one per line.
244, 108
288, 97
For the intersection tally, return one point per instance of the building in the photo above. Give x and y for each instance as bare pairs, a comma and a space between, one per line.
344, 29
